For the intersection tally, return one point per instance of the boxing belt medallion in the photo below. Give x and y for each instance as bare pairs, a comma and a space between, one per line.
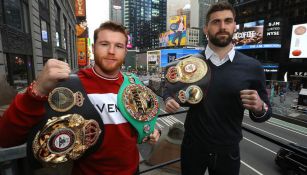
138, 105
187, 79
72, 127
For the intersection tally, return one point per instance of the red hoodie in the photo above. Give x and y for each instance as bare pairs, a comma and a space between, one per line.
118, 154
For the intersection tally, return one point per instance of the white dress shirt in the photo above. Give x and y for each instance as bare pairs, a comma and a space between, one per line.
214, 58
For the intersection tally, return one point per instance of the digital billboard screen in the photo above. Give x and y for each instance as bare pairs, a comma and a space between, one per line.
257, 34
178, 31
298, 45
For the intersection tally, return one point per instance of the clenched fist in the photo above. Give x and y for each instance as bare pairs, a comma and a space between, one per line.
53, 71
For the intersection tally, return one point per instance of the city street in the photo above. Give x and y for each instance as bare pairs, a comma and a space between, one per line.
257, 154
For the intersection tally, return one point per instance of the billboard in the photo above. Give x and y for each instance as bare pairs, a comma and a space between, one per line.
80, 8
163, 39
258, 34
81, 31
153, 60
82, 51
298, 45
178, 31
129, 44
272, 32
171, 57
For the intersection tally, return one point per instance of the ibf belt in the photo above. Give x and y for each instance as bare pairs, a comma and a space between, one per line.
71, 129
138, 104
188, 79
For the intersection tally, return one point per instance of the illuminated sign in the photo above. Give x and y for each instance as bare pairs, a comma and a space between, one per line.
251, 35
82, 51
129, 44
298, 45
178, 31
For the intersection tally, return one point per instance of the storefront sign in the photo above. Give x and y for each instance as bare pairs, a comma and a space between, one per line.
82, 51
80, 8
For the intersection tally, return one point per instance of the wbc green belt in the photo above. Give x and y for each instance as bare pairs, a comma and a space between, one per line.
138, 105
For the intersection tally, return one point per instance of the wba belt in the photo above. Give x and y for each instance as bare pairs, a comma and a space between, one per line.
138, 104
71, 128
188, 79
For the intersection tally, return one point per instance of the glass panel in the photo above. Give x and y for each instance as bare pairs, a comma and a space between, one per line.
20, 74
44, 31
12, 13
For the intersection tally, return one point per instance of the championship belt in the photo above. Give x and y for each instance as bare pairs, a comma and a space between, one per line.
187, 79
138, 104
71, 128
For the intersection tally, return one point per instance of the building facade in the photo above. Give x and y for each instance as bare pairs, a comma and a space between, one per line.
279, 19
31, 32
144, 20
115, 11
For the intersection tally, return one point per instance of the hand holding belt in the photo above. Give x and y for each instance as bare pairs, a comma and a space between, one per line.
187, 79
72, 127
138, 104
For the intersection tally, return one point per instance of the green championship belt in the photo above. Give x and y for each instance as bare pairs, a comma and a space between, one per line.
138, 104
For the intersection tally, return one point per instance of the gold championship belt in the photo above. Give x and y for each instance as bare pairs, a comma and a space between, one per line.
65, 138
187, 79
72, 127
138, 105
62, 99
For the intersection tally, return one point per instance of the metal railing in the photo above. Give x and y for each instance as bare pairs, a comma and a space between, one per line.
8, 155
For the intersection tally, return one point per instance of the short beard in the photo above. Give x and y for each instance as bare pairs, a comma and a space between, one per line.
220, 42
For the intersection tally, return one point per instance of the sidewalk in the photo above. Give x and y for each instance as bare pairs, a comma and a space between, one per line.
282, 108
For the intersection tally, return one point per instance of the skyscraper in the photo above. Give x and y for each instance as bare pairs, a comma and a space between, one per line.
116, 11
144, 20
204, 6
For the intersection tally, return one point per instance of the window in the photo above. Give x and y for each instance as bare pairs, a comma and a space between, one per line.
65, 33
44, 31
58, 26
25, 8
44, 3
12, 13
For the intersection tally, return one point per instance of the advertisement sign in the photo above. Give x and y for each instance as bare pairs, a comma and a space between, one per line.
270, 67
272, 32
129, 44
171, 57
298, 45
80, 8
178, 31
153, 60
81, 31
163, 39
82, 51
258, 34
249, 35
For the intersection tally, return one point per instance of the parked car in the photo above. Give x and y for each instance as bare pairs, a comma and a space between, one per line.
291, 162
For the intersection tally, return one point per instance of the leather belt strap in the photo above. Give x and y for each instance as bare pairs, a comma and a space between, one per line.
68, 125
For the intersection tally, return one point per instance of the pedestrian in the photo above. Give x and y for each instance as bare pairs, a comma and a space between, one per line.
118, 153
213, 126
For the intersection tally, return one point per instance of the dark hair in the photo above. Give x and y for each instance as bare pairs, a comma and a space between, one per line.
110, 25
220, 6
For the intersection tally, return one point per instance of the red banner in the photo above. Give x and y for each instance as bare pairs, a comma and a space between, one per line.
82, 51
80, 8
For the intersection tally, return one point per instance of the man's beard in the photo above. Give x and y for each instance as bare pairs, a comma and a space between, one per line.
106, 68
220, 42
